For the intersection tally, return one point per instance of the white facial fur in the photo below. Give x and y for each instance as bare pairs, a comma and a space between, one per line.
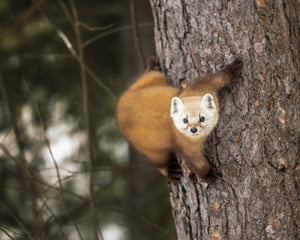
192, 109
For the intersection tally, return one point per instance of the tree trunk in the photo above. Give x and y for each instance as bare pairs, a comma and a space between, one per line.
255, 144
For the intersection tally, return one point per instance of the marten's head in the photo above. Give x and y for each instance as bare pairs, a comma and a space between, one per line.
194, 116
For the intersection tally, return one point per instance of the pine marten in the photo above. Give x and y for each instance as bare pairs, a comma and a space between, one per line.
162, 121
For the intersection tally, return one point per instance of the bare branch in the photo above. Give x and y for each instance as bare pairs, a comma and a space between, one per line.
89, 28
65, 10
86, 112
17, 161
52, 157
6, 232
74, 53
115, 30
22, 163
43, 55
39, 183
57, 223
136, 34
85, 26
17, 220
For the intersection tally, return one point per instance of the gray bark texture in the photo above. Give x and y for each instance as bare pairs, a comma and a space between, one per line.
255, 145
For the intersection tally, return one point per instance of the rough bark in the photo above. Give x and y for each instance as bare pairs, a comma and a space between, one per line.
255, 145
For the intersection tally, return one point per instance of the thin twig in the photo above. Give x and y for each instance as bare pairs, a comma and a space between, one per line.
65, 10
52, 157
25, 169
43, 55
22, 160
39, 183
17, 161
74, 53
54, 216
86, 113
84, 25
101, 205
136, 34
6, 233
89, 28
17, 220
114, 30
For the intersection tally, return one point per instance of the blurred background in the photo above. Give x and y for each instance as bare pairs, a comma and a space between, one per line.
65, 170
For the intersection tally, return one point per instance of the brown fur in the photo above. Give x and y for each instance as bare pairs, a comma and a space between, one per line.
144, 118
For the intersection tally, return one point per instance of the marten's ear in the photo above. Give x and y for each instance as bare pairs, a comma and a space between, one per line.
176, 105
183, 83
208, 102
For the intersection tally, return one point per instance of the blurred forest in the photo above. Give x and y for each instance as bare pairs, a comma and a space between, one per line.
65, 170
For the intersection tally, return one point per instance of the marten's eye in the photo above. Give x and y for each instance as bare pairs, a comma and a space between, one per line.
202, 119
185, 120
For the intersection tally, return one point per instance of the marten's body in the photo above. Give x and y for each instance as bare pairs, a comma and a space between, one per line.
144, 116
161, 120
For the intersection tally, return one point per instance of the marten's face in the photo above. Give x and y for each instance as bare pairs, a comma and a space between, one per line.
194, 116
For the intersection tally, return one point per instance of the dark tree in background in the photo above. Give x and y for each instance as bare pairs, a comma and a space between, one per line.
255, 145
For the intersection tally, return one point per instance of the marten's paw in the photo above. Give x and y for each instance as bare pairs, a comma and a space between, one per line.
233, 70
171, 169
174, 172
213, 177
174, 169
153, 64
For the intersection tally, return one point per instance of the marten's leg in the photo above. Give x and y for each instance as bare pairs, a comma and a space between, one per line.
171, 169
203, 169
228, 75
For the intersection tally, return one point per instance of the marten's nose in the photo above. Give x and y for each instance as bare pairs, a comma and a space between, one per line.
193, 130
